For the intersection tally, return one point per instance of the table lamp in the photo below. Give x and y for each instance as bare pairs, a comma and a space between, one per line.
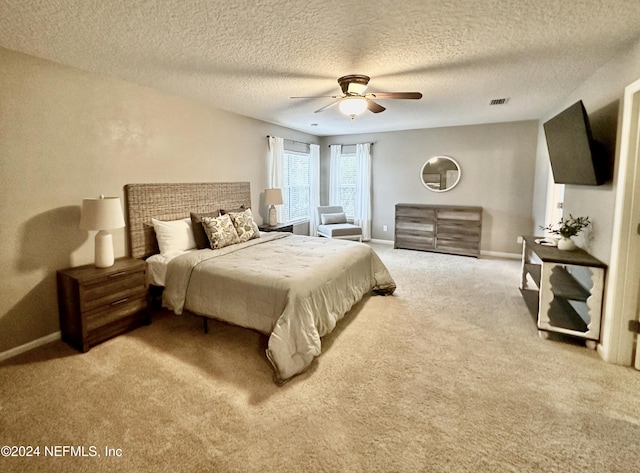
273, 197
102, 214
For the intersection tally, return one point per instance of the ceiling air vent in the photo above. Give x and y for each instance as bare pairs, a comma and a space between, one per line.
498, 101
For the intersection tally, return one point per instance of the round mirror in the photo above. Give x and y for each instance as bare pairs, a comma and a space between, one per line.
440, 174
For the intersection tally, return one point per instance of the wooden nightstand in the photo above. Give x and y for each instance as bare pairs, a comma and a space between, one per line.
96, 304
280, 227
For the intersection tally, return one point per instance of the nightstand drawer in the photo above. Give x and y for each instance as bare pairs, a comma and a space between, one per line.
112, 288
115, 311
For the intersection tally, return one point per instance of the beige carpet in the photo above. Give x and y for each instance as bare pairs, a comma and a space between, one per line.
448, 375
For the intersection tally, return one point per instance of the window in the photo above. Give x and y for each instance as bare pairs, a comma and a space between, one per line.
348, 184
296, 188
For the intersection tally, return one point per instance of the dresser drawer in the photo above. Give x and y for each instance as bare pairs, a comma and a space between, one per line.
456, 230
112, 288
458, 245
115, 311
459, 214
414, 242
415, 227
416, 213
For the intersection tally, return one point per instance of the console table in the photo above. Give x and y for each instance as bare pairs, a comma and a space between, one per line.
563, 290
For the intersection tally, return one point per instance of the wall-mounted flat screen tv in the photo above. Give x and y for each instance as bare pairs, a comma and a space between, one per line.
574, 155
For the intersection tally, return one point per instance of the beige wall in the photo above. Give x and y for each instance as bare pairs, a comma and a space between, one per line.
66, 134
602, 96
497, 163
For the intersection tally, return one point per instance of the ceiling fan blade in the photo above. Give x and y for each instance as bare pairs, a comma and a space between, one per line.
327, 106
374, 107
395, 95
317, 97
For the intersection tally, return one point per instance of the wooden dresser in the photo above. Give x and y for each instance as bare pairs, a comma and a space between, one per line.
96, 304
442, 228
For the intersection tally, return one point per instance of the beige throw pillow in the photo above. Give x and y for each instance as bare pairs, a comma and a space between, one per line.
332, 219
245, 225
220, 231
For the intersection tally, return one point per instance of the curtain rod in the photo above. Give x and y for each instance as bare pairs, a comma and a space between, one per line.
352, 144
291, 141
308, 144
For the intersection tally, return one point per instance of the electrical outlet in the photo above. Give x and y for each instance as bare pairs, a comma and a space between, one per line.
519, 239
384, 228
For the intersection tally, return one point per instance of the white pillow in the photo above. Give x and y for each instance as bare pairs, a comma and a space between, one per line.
174, 235
332, 219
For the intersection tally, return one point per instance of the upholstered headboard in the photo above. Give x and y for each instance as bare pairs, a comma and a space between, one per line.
173, 201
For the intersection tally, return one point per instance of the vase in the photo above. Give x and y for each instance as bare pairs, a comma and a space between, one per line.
566, 244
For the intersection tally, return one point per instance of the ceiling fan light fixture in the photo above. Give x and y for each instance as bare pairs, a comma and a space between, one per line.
352, 106
356, 88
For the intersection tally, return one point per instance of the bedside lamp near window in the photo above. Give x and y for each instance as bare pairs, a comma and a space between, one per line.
102, 214
273, 197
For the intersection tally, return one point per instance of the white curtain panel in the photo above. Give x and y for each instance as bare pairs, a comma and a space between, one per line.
334, 175
314, 198
276, 158
362, 215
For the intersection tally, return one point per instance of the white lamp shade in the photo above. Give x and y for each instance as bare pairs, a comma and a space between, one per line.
273, 197
352, 105
103, 213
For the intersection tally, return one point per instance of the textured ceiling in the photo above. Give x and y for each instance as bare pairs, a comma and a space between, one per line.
249, 57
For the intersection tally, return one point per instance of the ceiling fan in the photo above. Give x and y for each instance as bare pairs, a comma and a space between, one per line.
355, 101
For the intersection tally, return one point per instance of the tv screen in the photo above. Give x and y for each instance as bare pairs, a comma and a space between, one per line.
572, 151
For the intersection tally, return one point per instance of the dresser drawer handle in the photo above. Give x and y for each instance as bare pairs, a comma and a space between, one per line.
121, 301
115, 275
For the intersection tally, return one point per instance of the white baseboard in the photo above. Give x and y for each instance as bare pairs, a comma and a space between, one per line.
493, 254
5, 355
384, 242
499, 254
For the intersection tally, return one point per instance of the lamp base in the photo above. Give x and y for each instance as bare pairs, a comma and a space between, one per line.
273, 217
104, 249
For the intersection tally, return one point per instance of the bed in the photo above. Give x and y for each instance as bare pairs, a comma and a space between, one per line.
292, 288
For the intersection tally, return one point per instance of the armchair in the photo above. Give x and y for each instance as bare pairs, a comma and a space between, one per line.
332, 223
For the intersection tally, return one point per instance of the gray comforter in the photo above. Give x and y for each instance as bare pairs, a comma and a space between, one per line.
290, 287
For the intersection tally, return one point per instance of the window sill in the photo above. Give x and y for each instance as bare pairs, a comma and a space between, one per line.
299, 221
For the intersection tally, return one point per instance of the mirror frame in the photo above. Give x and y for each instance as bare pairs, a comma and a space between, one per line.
440, 157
